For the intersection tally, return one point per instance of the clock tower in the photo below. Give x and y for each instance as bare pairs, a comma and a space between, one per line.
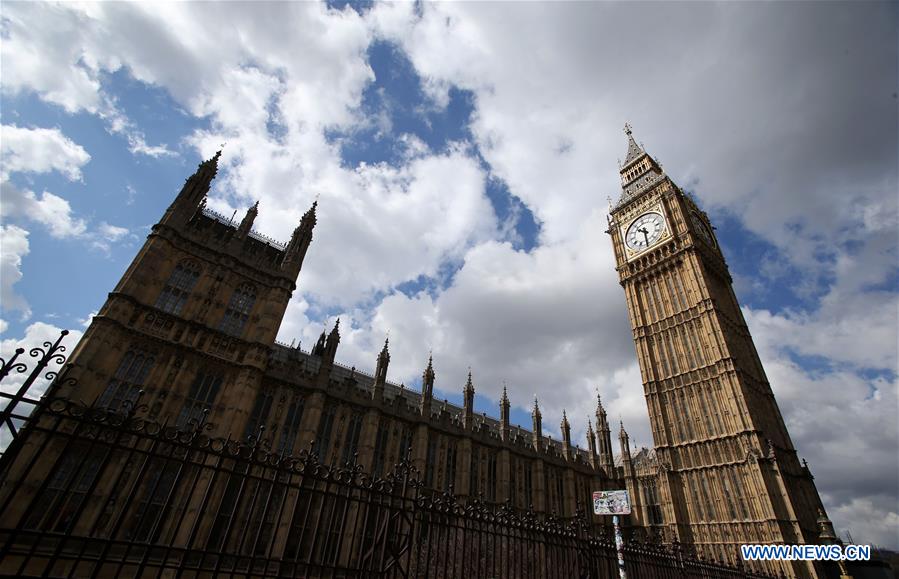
728, 472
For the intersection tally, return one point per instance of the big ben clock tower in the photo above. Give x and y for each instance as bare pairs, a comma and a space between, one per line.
728, 473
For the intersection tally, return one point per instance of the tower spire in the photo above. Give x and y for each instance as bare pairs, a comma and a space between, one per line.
537, 420
300, 240
193, 194
624, 440
634, 151
504, 407
468, 395
604, 438
566, 436
591, 444
427, 387
381, 372
246, 223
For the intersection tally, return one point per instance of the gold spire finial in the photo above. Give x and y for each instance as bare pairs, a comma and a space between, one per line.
627, 128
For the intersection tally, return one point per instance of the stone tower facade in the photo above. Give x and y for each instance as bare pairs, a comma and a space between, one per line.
727, 471
192, 320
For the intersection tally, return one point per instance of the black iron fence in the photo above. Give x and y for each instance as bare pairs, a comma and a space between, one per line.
89, 492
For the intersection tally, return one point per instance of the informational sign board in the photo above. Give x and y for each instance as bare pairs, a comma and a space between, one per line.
611, 503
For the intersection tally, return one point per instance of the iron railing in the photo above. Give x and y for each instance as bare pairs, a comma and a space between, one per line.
93, 492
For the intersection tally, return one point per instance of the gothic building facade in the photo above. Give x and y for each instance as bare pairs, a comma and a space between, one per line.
192, 327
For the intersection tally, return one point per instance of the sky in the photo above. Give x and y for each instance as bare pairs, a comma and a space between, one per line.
463, 155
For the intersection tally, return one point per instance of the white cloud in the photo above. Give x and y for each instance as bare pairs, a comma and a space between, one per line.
111, 232
51, 211
40, 150
13, 246
58, 60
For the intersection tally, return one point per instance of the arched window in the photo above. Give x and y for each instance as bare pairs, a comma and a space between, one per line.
238, 310
128, 379
202, 394
178, 287
291, 428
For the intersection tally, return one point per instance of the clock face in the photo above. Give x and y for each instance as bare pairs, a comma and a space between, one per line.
702, 229
645, 231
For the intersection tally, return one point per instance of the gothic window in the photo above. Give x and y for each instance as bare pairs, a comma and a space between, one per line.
710, 506
57, 506
473, 480
323, 439
127, 380
259, 415
405, 442
262, 525
291, 425
741, 494
431, 463
660, 304
238, 310
491, 475
560, 493
683, 335
655, 509
650, 306
663, 361
449, 478
688, 420
679, 284
514, 479
700, 356
302, 526
178, 287
528, 485
202, 394
155, 501
351, 441
666, 339
710, 431
676, 305
728, 497
380, 456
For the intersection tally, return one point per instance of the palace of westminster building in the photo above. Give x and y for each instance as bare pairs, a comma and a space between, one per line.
193, 323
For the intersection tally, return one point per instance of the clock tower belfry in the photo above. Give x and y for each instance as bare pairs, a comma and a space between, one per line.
728, 472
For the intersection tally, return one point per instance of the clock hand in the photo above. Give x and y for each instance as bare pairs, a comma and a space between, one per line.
645, 233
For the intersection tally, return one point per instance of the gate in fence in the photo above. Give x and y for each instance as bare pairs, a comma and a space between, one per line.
90, 492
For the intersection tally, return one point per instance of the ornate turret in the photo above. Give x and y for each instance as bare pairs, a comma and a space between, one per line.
591, 445
624, 441
381, 373
330, 351
193, 194
246, 223
300, 240
566, 436
427, 388
468, 397
604, 439
537, 420
504, 407
319, 348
